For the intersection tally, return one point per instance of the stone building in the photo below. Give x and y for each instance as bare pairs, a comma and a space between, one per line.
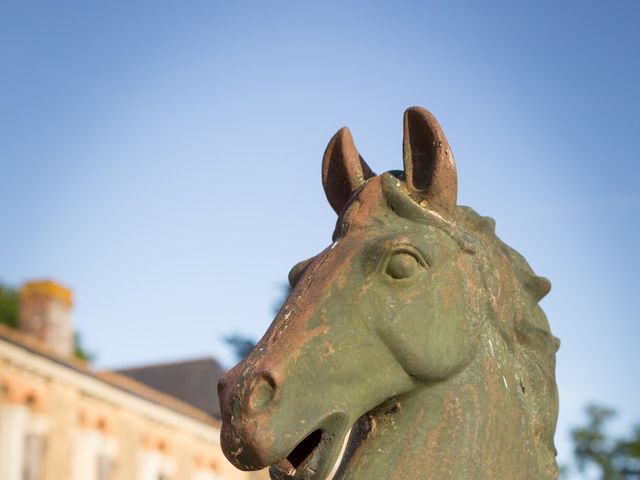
61, 420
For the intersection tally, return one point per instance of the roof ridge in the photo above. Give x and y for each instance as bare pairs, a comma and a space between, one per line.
110, 377
167, 364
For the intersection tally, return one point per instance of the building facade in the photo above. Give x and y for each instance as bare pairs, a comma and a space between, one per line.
61, 420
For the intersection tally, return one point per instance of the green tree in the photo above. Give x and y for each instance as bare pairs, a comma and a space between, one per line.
79, 350
627, 452
240, 345
614, 458
9, 306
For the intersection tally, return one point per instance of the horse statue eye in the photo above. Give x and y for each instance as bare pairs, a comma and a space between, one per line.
402, 265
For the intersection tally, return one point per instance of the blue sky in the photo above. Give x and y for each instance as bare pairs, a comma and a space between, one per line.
163, 158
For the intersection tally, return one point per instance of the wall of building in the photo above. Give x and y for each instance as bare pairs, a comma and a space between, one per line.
92, 430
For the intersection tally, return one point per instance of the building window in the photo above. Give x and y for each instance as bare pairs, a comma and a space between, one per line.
22, 434
207, 475
33, 456
95, 450
155, 464
207, 468
105, 466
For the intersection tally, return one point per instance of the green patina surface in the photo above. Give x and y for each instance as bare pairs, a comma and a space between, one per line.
417, 328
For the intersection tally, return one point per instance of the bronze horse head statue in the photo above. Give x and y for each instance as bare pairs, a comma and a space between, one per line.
417, 330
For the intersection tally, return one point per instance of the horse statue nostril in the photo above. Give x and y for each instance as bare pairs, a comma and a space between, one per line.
263, 392
220, 386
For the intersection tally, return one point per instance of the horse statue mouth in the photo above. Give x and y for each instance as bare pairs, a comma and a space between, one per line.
299, 458
313, 457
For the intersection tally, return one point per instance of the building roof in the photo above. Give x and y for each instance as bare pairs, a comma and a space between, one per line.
122, 382
192, 381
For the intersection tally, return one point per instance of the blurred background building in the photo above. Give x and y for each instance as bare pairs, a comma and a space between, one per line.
62, 420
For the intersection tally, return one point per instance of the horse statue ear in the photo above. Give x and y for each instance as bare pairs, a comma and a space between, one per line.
429, 167
343, 169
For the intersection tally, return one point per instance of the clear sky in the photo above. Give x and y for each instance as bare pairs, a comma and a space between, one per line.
163, 158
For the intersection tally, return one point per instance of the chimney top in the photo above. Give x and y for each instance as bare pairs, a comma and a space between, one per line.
47, 289
45, 313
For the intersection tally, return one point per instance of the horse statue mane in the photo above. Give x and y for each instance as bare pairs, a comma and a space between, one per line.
414, 344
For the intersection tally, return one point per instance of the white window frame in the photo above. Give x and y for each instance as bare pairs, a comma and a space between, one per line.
16, 423
155, 465
206, 474
90, 446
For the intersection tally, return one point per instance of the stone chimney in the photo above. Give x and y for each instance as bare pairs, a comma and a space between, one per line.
45, 313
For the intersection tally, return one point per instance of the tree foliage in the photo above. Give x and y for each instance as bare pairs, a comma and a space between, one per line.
594, 448
79, 350
240, 344
8, 306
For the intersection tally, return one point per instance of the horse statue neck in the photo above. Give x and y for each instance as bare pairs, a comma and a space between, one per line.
473, 425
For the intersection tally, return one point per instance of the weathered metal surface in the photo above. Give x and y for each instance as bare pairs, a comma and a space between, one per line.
417, 327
